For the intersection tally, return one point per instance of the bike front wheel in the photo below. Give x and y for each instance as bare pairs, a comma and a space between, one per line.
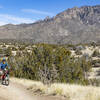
5, 81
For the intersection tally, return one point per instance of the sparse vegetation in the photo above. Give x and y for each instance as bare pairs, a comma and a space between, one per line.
49, 64
69, 91
95, 53
55, 67
78, 52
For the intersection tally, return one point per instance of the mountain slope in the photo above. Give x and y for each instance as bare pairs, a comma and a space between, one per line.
76, 25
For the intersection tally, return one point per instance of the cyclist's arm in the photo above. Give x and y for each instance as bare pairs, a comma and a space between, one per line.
7, 66
0, 66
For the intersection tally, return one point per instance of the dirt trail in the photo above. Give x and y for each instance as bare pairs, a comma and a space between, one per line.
17, 92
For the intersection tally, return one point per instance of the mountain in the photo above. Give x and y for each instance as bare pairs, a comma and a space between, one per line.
75, 25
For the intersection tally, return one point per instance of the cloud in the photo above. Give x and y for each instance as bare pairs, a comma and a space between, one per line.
37, 12
2, 23
6, 18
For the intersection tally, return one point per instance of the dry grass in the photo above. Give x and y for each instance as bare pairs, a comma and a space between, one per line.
71, 92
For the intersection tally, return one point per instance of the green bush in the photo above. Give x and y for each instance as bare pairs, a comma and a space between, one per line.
50, 63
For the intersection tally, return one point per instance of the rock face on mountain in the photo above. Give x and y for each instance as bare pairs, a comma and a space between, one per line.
76, 25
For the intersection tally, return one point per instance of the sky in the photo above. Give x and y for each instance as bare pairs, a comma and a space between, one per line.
29, 11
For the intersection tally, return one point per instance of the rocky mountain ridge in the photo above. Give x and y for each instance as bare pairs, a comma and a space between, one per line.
75, 25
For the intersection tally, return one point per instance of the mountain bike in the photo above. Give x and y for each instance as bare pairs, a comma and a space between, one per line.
5, 77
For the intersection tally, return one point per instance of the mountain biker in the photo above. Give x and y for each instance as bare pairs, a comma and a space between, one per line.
4, 65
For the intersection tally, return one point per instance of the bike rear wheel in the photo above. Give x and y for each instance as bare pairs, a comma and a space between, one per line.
7, 82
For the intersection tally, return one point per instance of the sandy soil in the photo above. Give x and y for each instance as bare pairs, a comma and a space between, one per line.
18, 92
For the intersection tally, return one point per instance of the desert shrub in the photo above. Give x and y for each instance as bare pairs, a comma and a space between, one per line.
49, 64
94, 82
1, 51
96, 63
14, 49
95, 53
7, 52
78, 52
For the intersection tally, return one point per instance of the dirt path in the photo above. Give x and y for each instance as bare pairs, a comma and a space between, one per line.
17, 92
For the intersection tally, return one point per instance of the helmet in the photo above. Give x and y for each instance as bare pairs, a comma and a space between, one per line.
4, 59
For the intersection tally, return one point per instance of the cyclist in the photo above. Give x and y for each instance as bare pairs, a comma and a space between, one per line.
4, 66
